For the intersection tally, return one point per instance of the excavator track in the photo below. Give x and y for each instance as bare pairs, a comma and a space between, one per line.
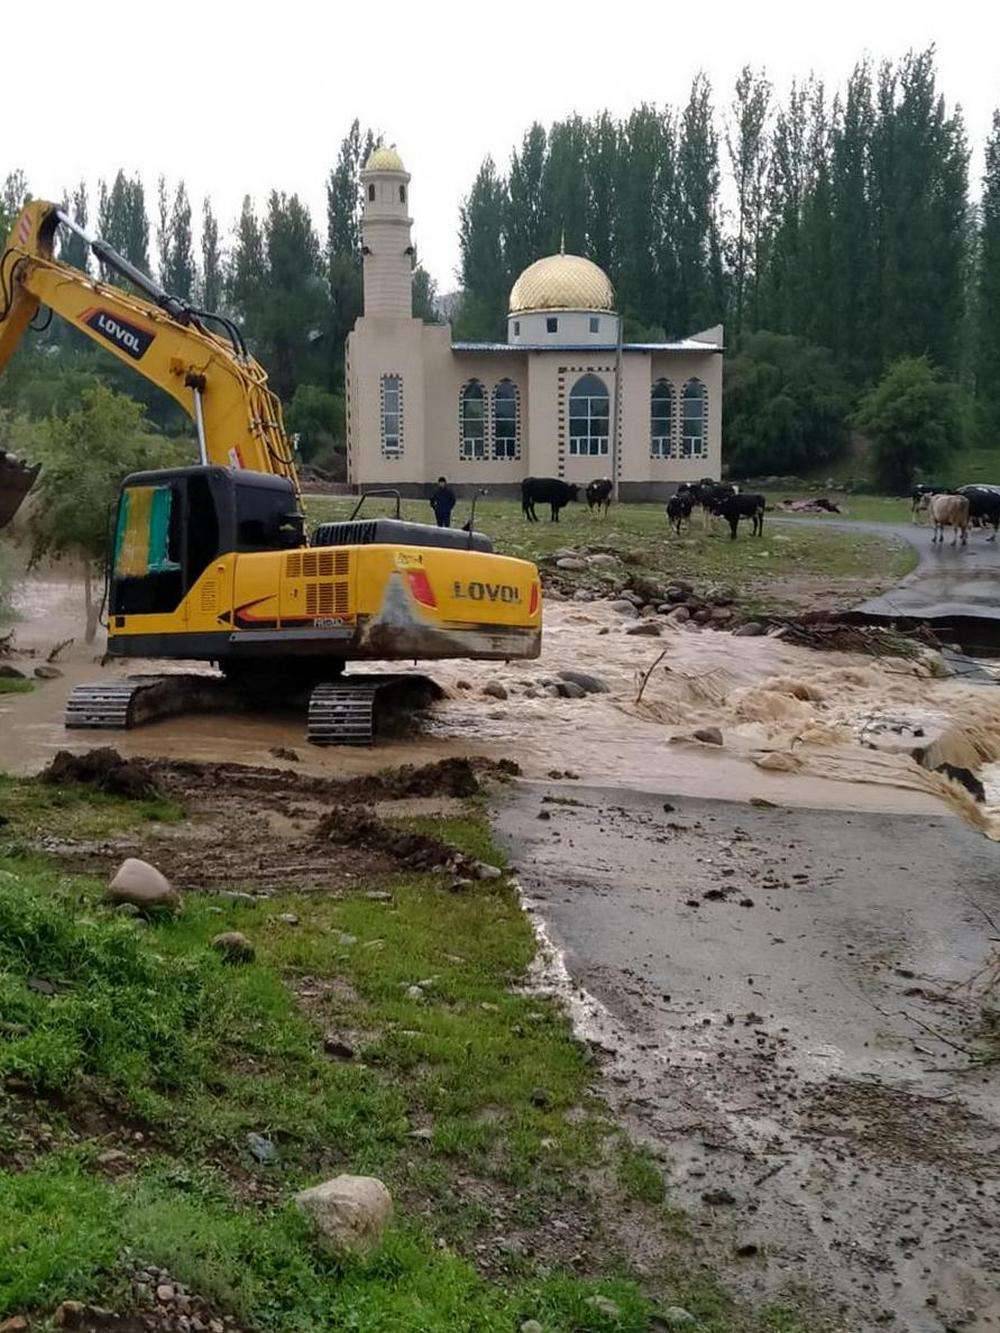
118, 705
103, 707
355, 709
342, 714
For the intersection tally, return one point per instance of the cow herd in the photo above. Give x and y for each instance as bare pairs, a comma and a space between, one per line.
713, 498
968, 506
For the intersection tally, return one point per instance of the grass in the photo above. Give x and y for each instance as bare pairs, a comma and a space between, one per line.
640, 535
113, 1025
11, 685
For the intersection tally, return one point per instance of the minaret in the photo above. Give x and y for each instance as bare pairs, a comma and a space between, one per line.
385, 236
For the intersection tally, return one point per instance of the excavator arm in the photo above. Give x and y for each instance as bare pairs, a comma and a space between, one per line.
197, 357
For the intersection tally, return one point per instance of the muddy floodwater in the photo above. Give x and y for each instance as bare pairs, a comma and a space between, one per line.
824, 730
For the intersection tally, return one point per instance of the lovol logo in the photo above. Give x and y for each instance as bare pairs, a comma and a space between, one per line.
133, 341
487, 592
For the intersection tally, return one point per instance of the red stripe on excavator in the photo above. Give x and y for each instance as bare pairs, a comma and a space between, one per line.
421, 588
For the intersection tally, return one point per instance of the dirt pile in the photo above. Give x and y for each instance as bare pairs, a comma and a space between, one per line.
347, 826
447, 777
105, 770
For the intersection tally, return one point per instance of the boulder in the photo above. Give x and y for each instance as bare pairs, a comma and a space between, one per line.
8, 672
625, 607
751, 630
144, 886
588, 683
603, 558
648, 628
604, 1306
494, 690
675, 1316
234, 947
708, 735
679, 614
569, 690
48, 673
572, 562
703, 616
349, 1213
485, 871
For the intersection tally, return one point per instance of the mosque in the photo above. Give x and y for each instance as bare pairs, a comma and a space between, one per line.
543, 403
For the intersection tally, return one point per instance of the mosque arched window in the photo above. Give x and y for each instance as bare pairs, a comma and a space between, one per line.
589, 416
506, 420
694, 419
472, 420
661, 420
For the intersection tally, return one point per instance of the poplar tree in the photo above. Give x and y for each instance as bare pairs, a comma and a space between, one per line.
484, 273
987, 358
212, 277
525, 224
747, 143
700, 289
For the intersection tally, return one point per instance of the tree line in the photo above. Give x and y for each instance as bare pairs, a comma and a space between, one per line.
832, 234
294, 287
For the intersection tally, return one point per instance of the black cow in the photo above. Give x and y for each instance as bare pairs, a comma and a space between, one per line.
984, 506
545, 490
679, 508
734, 507
598, 494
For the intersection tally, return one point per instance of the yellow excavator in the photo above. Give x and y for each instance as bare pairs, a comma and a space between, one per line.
212, 563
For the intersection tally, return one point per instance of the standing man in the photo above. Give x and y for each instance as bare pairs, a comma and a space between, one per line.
443, 502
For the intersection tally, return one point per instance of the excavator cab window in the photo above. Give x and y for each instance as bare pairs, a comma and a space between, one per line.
147, 566
266, 519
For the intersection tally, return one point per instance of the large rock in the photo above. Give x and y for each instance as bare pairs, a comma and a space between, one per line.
571, 562
141, 884
625, 608
708, 735
45, 672
590, 684
349, 1213
8, 672
494, 690
649, 628
234, 947
751, 630
603, 558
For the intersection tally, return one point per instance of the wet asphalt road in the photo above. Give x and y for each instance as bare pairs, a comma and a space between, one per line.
949, 582
774, 989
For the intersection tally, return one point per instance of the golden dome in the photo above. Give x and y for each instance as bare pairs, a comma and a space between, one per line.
385, 158
562, 282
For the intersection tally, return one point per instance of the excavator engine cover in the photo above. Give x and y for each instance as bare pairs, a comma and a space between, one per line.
397, 532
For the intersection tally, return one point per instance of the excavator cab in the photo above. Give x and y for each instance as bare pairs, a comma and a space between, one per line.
172, 524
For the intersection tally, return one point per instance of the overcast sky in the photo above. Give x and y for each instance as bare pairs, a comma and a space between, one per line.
241, 97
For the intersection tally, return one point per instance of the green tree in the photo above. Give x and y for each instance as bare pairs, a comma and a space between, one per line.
343, 237
785, 406
246, 272
603, 146
212, 273
525, 224
424, 296
484, 274
122, 222
293, 315
175, 243
73, 249
988, 295
747, 143
912, 418
700, 284
853, 228
646, 277
316, 416
85, 456
14, 194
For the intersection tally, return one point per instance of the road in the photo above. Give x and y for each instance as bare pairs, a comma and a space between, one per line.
949, 583
775, 990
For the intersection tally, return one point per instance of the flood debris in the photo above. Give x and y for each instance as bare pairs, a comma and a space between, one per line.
350, 826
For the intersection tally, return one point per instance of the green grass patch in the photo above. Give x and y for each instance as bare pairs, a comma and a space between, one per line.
11, 685
33, 808
143, 1022
639, 534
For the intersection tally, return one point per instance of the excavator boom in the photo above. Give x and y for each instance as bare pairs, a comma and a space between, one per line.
197, 357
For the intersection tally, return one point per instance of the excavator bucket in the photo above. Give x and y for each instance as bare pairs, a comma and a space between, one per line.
16, 480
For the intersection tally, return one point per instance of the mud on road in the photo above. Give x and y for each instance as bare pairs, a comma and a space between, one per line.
780, 998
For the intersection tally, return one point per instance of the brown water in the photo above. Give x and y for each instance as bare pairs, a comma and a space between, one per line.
796, 724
